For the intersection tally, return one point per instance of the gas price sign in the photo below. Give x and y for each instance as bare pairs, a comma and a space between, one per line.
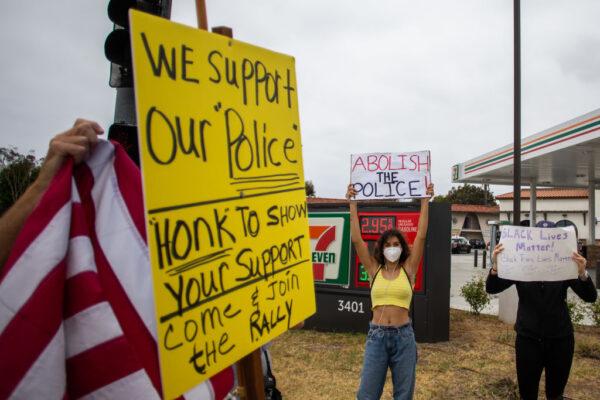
374, 225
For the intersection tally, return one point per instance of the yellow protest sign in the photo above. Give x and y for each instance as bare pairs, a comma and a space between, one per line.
227, 221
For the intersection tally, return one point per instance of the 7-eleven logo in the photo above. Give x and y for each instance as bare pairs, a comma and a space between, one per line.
324, 235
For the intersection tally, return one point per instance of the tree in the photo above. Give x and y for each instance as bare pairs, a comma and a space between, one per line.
17, 172
468, 194
310, 189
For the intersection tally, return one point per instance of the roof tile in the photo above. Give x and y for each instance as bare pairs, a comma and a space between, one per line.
475, 208
551, 193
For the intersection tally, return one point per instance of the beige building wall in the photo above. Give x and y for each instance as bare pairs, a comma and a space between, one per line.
458, 221
574, 210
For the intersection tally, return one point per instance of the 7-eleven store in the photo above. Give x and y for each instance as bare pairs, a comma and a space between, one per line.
563, 156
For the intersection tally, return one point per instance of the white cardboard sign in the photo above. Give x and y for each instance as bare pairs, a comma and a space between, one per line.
537, 254
381, 176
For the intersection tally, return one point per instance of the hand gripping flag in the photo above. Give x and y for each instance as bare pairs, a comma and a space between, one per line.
76, 301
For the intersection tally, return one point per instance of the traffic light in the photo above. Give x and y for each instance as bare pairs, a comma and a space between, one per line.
126, 136
117, 49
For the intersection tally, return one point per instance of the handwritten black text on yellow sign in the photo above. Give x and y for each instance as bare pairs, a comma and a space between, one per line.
224, 196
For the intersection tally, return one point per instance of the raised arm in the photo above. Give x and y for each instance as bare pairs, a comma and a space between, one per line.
494, 284
412, 263
360, 246
76, 142
583, 286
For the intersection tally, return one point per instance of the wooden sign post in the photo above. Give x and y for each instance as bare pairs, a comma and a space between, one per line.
249, 369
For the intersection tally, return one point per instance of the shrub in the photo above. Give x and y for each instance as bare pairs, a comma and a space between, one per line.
475, 294
576, 311
594, 312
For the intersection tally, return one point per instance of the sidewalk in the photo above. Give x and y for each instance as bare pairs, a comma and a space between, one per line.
462, 271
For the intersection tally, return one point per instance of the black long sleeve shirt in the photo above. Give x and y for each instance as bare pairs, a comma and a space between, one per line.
542, 311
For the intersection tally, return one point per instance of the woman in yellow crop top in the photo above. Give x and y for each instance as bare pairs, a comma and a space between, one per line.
392, 269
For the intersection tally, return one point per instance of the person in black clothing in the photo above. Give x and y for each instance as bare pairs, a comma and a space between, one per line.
544, 329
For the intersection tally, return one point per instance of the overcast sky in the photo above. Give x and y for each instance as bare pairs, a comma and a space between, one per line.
372, 76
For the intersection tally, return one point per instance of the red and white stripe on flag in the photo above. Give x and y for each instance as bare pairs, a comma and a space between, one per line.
76, 297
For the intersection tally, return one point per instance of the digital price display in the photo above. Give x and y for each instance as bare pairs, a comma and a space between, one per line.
363, 277
372, 224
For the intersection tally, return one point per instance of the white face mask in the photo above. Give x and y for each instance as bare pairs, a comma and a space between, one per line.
392, 254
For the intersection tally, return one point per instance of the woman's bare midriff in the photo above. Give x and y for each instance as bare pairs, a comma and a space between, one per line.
390, 315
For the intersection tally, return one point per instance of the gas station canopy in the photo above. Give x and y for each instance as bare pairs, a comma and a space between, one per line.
566, 155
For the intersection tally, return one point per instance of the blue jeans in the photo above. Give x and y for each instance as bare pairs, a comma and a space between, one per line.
393, 347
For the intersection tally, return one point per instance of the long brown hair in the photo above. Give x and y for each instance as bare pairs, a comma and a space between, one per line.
378, 251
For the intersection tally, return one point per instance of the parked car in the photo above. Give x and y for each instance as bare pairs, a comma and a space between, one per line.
477, 244
460, 245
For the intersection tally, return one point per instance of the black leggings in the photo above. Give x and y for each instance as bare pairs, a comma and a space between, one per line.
533, 355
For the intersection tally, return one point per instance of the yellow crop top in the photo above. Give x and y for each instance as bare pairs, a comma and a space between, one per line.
395, 292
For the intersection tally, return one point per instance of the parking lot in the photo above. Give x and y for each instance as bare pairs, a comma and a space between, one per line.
462, 271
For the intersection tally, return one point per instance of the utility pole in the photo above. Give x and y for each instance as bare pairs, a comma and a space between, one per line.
517, 114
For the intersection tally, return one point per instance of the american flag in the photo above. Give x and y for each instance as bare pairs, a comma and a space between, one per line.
76, 299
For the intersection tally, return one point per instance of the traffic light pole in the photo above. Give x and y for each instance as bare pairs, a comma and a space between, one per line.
117, 49
125, 106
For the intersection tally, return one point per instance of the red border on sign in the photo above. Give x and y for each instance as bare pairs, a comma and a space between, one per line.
407, 223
